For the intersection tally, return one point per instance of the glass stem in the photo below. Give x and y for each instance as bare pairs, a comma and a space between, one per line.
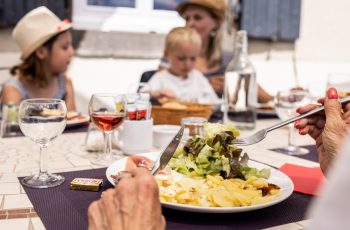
290, 135
43, 158
108, 144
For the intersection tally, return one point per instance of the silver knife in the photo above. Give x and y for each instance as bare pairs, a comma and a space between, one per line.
168, 152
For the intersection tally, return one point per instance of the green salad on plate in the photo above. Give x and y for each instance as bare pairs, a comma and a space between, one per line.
212, 153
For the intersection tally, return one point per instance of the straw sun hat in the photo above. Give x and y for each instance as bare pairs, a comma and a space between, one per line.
216, 7
37, 27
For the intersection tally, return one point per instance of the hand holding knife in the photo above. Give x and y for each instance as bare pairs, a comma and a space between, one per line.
168, 152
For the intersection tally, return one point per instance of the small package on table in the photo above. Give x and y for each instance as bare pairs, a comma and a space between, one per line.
86, 184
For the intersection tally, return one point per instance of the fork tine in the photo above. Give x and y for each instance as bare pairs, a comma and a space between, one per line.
239, 141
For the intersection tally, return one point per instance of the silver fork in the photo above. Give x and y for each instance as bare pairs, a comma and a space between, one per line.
260, 135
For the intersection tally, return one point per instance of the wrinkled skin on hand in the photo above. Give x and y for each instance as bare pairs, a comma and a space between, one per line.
328, 129
133, 204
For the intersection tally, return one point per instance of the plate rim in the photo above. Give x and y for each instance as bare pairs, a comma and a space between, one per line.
199, 209
74, 122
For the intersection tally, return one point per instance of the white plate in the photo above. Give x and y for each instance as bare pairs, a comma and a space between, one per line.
81, 120
276, 177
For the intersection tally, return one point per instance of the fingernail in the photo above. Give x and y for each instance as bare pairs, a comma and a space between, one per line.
320, 100
296, 123
332, 93
298, 110
302, 130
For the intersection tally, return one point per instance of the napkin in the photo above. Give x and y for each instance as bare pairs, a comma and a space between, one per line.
306, 180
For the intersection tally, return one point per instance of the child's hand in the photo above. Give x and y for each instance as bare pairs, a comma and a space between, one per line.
217, 83
163, 93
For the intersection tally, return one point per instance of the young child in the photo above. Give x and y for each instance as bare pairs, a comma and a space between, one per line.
180, 80
46, 50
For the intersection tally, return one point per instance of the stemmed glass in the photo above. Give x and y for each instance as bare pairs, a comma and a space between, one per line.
286, 102
107, 111
340, 81
42, 120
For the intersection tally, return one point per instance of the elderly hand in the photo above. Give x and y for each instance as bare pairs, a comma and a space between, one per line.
218, 83
327, 129
133, 204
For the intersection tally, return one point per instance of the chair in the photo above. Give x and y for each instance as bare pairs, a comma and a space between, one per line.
147, 75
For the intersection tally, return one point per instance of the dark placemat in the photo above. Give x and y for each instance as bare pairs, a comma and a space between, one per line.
62, 208
311, 156
217, 116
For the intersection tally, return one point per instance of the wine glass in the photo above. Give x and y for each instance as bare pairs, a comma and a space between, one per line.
42, 120
286, 102
107, 111
340, 81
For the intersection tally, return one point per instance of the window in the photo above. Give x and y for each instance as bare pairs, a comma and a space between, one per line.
126, 15
112, 3
166, 4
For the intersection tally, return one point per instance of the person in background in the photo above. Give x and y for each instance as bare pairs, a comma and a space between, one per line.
46, 49
207, 17
180, 80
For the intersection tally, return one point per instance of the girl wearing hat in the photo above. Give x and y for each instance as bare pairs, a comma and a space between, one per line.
207, 16
46, 50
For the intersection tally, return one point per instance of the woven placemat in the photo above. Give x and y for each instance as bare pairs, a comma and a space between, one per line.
62, 208
311, 156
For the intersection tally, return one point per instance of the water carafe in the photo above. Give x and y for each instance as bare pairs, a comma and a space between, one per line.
240, 93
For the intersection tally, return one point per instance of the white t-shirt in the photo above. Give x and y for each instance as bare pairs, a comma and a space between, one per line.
194, 88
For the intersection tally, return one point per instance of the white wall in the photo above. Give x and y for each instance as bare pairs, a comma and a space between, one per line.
95, 75
323, 48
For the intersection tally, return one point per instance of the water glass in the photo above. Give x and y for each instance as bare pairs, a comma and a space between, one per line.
195, 125
340, 81
42, 120
286, 102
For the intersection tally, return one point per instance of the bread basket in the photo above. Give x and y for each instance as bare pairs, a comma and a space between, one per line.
172, 111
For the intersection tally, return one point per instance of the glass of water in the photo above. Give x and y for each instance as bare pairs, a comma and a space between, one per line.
340, 81
286, 102
42, 120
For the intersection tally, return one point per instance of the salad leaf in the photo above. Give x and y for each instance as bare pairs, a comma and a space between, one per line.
212, 153
211, 129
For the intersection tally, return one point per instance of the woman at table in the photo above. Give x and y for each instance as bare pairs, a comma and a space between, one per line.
46, 49
330, 130
207, 17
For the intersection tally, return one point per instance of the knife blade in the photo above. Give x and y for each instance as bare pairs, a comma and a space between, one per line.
168, 152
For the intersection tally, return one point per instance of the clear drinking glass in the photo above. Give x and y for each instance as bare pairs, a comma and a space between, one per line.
286, 102
42, 120
340, 81
107, 111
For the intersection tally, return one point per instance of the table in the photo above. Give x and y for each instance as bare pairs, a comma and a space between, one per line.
19, 157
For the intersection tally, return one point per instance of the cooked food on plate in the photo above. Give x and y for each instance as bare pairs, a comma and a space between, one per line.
209, 171
73, 115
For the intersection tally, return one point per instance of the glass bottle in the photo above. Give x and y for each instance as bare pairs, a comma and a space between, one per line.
240, 93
